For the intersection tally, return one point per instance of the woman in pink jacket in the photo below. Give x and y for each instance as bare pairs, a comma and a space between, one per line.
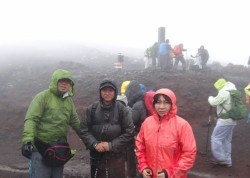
166, 146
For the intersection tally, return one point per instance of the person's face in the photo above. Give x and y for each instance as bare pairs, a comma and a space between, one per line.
63, 85
162, 106
107, 94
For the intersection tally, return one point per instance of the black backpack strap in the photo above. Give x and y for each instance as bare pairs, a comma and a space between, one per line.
118, 105
93, 109
120, 109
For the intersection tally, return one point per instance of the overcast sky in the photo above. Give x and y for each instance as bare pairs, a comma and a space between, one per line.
222, 26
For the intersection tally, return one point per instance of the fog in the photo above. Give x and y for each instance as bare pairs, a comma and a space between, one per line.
49, 53
129, 27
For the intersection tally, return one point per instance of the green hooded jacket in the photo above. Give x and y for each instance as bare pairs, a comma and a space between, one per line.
50, 114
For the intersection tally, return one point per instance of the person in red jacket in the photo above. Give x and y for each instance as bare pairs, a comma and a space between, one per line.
178, 49
165, 145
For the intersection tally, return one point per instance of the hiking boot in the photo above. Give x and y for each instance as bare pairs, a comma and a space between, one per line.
215, 162
228, 165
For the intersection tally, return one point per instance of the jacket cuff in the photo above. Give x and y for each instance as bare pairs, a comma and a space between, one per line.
146, 168
166, 173
95, 144
110, 146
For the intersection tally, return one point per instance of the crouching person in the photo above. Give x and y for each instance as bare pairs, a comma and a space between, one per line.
106, 130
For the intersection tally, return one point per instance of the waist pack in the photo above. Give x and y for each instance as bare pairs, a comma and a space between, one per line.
55, 154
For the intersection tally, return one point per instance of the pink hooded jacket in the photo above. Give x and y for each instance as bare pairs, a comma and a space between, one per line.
167, 144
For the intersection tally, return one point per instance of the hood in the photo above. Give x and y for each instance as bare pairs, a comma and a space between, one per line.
143, 87
148, 99
122, 99
228, 86
124, 87
172, 96
220, 83
110, 83
247, 89
133, 93
57, 75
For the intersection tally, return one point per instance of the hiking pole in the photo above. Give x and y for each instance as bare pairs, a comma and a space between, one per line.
208, 126
248, 118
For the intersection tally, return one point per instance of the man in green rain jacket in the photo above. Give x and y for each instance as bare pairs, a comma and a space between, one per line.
47, 120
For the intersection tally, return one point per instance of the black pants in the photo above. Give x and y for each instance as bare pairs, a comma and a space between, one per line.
107, 165
132, 163
177, 59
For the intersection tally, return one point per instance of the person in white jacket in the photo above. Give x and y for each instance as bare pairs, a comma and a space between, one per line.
222, 134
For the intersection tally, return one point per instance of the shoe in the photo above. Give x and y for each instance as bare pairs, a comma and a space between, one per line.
220, 163
228, 165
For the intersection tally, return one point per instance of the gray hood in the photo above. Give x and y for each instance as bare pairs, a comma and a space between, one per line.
133, 93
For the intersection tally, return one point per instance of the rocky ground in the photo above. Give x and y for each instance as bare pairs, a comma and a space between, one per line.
19, 83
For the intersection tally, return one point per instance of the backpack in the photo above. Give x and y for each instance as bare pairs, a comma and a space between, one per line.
163, 49
238, 108
94, 106
177, 50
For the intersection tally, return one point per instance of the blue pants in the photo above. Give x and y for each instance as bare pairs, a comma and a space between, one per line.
37, 169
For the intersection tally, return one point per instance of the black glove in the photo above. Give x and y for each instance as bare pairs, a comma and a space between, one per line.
27, 150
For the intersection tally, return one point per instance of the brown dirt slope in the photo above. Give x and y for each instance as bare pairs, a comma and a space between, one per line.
21, 83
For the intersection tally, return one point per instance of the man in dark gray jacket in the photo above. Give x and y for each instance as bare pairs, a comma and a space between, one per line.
106, 130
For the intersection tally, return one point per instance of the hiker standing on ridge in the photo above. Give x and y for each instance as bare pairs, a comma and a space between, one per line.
178, 49
221, 137
154, 54
164, 49
105, 130
147, 58
165, 145
135, 98
204, 55
46, 121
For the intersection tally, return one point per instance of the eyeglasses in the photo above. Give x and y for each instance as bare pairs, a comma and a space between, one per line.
68, 81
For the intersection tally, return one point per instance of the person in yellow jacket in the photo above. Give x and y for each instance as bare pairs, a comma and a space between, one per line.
165, 145
247, 91
124, 87
221, 138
